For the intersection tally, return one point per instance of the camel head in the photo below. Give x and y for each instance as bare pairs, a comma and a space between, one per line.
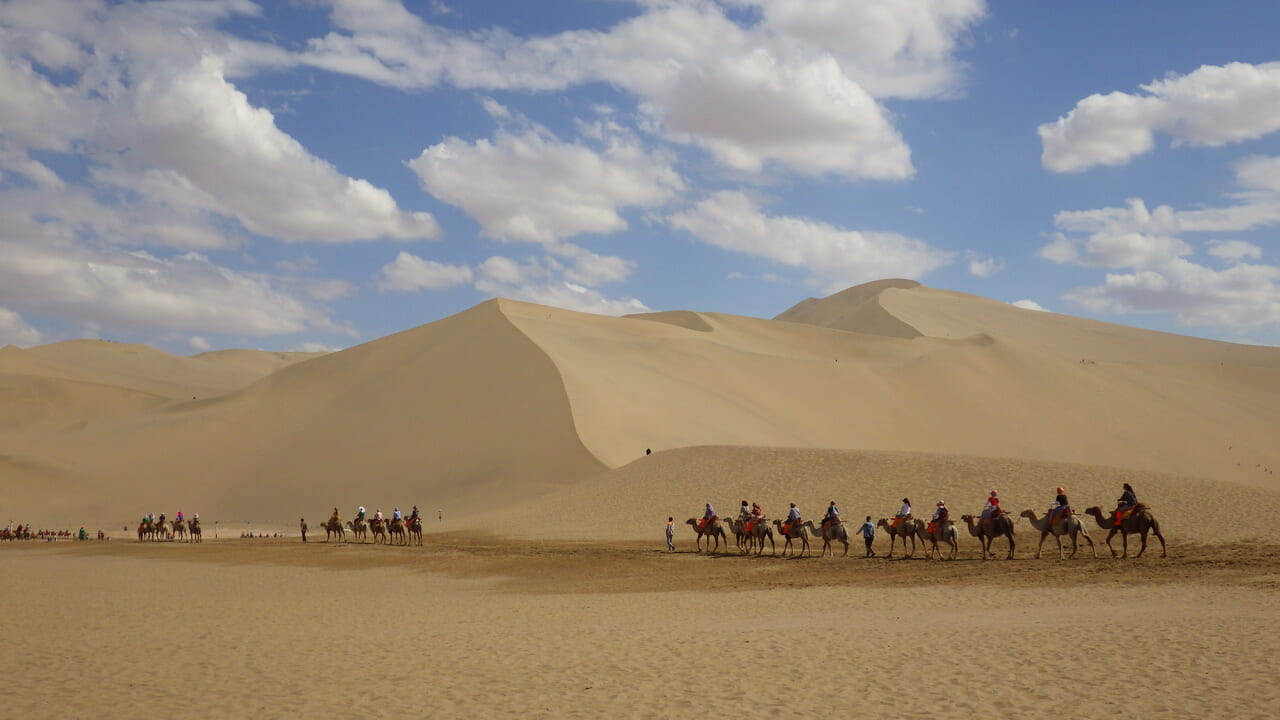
1095, 511
1028, 514
691, 521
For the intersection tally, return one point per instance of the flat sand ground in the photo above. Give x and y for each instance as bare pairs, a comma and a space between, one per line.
489, 626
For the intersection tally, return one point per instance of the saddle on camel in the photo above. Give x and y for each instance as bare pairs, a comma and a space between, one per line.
1124, 513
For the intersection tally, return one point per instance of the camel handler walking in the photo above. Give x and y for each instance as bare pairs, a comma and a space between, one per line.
302, 523
671, 534
868, 531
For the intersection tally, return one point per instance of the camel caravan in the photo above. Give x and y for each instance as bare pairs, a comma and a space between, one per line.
155, 528
938, 535
395, 530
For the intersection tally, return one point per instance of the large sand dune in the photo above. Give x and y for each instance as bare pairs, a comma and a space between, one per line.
513, 411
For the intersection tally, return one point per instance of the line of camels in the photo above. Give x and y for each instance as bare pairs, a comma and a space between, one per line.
392, 532
170, 530
944, 536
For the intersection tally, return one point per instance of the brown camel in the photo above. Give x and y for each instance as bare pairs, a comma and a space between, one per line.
759, 532
832, 531
414, 527
379, 530
1140, 522
906, 531
358, 529
1067, 524
987, 530
179, 530
797, 531
193, 529
713, 530
395, 529
333, 528
943, 532
738, 526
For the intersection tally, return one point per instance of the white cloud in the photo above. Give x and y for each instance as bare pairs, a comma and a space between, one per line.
121, 289
1212, 106
15, 331
315, 347
199, 344
538, 282
1239, 296
535, 188
984, 266
798, 89
1234, 250
835, 257
1028, 305
151, 110
408, 273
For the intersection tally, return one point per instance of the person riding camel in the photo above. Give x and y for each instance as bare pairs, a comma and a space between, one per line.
414, 516
832, 516
940, 516
1060, 506
377, 516
179, 516
793, 519
708, 517
1125, 504
360, 513
756, 516
904, 513
335, 518
395, 514
992, 508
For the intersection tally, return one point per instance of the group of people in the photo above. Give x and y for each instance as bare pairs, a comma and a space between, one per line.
151, 519
752, 514
361, 516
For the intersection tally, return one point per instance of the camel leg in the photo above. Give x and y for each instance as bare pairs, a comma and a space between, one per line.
1124, 541
1041, 545
1156, 529
1144, 544
846, 549
1109, 545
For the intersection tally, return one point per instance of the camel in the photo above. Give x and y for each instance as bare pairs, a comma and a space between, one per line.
1068, 524
797, 531
358, 529
714, 530
379, 530
833, 531
414, 526
333, 528
989, 529
1140, 522
193, 529
395, 529
906, 531
738, 526
945, 532
179, 530
756, 537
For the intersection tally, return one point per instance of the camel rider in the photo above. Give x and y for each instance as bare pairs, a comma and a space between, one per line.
744, 512
756, 516
708, 517
414, 516
161, 518
335, 518
832, 516
360, 513
377, 516
179, 516
195, 518
904, 512
395, 514
1060, 506
940, 516
992, 508
1128, 499
793, 519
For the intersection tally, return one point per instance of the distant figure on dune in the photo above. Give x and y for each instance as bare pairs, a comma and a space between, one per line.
302, 523
671, 533
648, 451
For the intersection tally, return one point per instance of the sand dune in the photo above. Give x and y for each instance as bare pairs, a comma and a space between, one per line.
484, 413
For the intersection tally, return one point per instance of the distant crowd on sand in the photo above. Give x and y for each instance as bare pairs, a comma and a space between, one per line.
751, 528
13, 532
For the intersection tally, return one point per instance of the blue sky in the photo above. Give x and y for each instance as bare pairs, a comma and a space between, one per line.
305, 175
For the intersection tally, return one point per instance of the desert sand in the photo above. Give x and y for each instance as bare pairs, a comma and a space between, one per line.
542, 588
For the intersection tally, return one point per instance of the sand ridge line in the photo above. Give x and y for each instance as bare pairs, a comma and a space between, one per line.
635, 567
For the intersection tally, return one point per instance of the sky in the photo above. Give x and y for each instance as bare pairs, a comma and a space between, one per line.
310, 175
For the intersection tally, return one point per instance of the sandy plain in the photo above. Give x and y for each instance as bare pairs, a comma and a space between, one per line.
483, 626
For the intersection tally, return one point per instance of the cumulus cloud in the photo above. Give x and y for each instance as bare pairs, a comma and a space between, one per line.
1242, 295
199, 343
984, 266
1212, 106
533, 187
798, 88
1028, 305
835, 257
1231, 250
152, 110
15, 331
539, 282
409, 272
